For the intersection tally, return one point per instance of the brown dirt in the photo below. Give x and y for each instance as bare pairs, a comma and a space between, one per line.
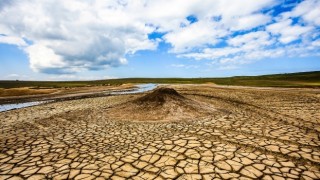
161, 104
254, 133
24, 91
159, 97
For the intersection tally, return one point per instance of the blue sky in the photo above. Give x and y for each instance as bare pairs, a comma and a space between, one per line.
76, 40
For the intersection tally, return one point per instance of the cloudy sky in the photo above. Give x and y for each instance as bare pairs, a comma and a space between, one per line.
97, 39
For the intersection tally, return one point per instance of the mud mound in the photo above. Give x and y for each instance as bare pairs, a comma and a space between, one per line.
161, 104
159, 97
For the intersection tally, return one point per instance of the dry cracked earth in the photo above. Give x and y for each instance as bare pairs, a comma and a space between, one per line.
251, 133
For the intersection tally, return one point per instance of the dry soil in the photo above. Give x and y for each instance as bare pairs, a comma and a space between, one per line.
218, 133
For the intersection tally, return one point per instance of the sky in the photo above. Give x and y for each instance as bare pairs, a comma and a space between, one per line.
102, 39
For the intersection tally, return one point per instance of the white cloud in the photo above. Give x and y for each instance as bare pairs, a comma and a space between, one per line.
283, 37
316, 43
62, 77
233, 56
178, 65
74, 77
184, 66
309, 11
12, 40
44, 58
195, 35
251, 40
16, 76
250, 21
13, 75
288, 31
73, 36
228, 67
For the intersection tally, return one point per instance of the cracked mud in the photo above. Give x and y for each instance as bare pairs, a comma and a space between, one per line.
250, 133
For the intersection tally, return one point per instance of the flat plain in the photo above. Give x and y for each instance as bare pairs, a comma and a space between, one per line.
205, 132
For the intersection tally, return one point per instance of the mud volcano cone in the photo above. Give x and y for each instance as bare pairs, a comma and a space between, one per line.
160, 97
161, 104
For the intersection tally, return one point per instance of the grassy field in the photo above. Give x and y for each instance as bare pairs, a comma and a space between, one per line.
302, 79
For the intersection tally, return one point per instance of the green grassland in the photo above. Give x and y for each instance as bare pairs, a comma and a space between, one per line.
301, 79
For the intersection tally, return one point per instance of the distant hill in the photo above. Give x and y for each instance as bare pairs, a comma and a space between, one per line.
300, 79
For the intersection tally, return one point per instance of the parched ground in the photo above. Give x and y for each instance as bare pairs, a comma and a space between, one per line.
251, 133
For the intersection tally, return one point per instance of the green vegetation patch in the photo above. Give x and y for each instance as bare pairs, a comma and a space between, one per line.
303, 79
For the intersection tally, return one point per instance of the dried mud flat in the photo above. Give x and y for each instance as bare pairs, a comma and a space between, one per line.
251, 133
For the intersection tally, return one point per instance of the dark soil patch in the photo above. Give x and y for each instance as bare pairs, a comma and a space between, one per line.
159, 97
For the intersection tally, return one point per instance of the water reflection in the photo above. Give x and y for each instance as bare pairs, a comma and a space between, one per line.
140, 88
6, 107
